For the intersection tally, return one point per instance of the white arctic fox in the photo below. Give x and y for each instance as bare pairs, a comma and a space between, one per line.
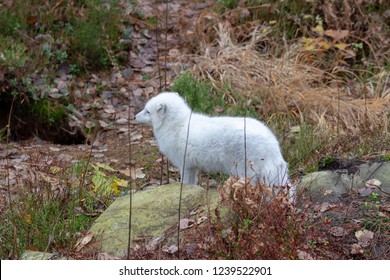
215, 144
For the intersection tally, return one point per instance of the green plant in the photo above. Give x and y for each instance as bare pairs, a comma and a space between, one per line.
385, 157
229, 4
48, 111
328, 160
3, 132
41, 222
61, 56
198, 94
10, 23
12, 53
301, 148
104, 184
203, 97
95, 35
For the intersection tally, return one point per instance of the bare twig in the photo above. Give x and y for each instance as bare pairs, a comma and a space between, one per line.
7, 151
51, 235
159, 89
14, 244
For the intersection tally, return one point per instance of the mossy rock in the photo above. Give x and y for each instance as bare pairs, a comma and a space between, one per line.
36, 255
342, 181
154, 211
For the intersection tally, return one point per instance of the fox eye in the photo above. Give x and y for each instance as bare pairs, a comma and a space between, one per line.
147, 112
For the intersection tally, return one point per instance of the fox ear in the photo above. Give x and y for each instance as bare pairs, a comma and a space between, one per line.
161, 108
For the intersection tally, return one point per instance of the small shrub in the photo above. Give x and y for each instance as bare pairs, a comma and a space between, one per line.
41, 223
95, 35
51, 212
197, 93
202, 97
229, 4
12, 53
49, 112
10, 23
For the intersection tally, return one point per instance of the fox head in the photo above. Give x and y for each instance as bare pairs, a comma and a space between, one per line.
166, 105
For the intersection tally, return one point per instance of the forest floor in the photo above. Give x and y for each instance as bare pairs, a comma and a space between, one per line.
105, 103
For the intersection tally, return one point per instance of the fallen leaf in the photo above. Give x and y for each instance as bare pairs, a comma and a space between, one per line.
341, 46
104, 166
337, 35
154, 243
147, 69
89, 124
364, 237
356, 249
28, 218
385, 207
302, 255
138, 92
55, 169
325, 207
83, 241
365, 191
186, 223
103, 124
171, 249
328, 192
373, 183
134, 173
109, 110
324, 45
319, 29
349, 53
174, 52
194, 211
201, 220
337, 231
121, 121
149, 90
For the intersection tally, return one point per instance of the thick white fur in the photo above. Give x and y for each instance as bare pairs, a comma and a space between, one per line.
215, 144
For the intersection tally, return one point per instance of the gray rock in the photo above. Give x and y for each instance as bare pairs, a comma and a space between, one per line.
341, 181
154, 211
36, 255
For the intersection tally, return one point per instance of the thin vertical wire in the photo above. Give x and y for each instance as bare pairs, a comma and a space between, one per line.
181, 185
165, 66
131, 189
245, 156
159, 89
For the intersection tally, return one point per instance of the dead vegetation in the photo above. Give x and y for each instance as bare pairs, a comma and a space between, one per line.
287, 87
263, 226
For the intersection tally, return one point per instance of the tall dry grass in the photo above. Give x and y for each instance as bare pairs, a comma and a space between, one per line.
289, 86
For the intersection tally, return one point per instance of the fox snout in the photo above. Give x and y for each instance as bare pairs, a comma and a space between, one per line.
143, 117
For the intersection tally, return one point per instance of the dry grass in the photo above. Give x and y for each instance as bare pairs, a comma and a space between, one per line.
288, 86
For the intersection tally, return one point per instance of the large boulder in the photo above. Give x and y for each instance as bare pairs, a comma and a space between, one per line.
337, 182
154, 211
